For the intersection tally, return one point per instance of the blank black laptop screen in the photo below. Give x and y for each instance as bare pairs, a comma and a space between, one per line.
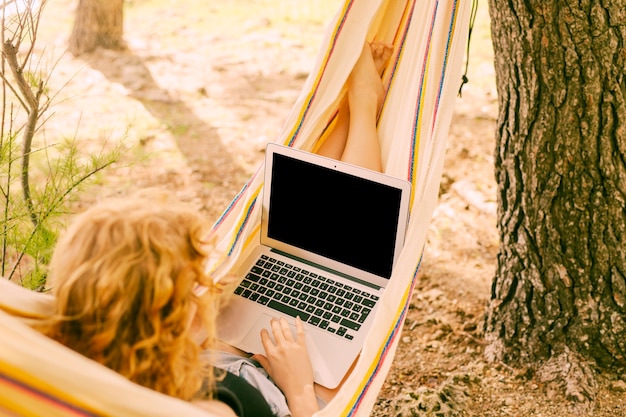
340, 216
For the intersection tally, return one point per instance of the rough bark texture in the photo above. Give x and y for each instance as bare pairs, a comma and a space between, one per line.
98, 23
560, 166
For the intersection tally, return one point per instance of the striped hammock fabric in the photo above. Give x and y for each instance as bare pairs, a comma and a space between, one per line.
39, 377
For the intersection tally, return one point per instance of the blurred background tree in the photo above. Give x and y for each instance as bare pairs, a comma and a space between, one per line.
98, 23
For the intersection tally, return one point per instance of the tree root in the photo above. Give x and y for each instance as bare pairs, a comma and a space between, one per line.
569, 375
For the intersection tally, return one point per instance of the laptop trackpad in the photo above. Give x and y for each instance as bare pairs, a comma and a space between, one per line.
253, 338
252, 343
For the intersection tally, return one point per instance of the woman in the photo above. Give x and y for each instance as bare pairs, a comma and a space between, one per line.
125, 271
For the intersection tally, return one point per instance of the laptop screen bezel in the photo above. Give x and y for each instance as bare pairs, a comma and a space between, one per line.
403, 216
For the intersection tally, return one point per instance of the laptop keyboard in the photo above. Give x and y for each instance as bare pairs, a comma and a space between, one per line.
317, 300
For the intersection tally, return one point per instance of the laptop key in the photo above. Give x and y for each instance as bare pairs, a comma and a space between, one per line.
368, 303
290, 311
350, 324
364, 315
314, 320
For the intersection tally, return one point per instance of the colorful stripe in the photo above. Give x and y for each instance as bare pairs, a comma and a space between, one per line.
28, 399
236, 200
446, 56
244, 222
417, 125
329, 52
390, 340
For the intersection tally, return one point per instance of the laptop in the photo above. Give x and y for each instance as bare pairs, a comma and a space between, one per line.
330, 235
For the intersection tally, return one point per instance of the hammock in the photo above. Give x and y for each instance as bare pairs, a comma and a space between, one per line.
40, 377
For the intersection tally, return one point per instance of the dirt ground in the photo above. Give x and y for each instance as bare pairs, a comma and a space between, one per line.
200, 92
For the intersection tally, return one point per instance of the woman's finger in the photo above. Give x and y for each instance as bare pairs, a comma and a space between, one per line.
299, 330
277, 331
266, 340
286, 330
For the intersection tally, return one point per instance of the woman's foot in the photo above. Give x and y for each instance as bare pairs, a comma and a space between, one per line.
355, 138
365, 83
381, 52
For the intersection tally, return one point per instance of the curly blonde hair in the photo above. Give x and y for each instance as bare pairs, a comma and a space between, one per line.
124, 275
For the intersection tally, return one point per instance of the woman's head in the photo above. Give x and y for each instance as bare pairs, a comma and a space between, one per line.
123, 275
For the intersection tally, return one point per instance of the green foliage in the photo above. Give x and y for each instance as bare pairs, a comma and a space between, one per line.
61, 173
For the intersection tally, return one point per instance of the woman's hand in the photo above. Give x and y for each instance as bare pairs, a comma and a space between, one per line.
287, 362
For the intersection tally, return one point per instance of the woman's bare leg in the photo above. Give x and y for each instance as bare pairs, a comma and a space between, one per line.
355, 139
335, 143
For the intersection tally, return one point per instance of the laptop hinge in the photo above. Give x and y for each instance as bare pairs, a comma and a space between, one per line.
332, 271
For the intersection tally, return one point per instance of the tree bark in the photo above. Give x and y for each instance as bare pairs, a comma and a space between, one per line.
98, 23
560, 166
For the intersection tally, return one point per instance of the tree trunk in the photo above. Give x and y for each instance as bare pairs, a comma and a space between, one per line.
98, 23
560, 289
